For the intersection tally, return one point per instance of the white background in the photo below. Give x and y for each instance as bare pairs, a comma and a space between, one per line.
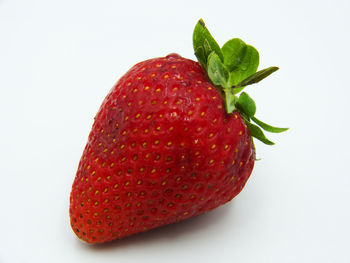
58, 59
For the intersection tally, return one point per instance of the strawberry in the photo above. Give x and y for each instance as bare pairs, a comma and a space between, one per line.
171, 140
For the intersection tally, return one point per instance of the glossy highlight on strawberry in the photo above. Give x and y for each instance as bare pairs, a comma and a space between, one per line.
162, 148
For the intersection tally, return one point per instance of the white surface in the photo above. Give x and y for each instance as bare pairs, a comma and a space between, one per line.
58, 59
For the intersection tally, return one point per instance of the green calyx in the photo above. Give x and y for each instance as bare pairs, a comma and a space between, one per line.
231, 68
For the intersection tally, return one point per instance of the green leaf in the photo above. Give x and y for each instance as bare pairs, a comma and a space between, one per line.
242, 60
256, 132
203, 40
202, 59
267, 127
217, 72
246, 104
233, 51
258, 76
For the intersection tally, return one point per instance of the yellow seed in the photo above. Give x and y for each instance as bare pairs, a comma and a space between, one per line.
148, 117
153, 171
142, 169
127, 183
166, 76
240, 133
203, 113
213, 146
115, 186
178, 179
139, 182
147, 88
164, 183
97, 192
211, 161
146, 130
99, 179
96, 203
156, 142
124, 132
134, 90
190, 112
137, 115
169, 143
140, 102
173, 66
93, 173
116, 197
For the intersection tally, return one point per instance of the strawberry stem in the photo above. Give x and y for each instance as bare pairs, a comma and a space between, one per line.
232, 68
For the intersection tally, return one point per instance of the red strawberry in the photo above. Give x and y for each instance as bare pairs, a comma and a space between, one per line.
168, 143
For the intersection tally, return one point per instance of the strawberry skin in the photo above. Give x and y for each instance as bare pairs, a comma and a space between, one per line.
162, 149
